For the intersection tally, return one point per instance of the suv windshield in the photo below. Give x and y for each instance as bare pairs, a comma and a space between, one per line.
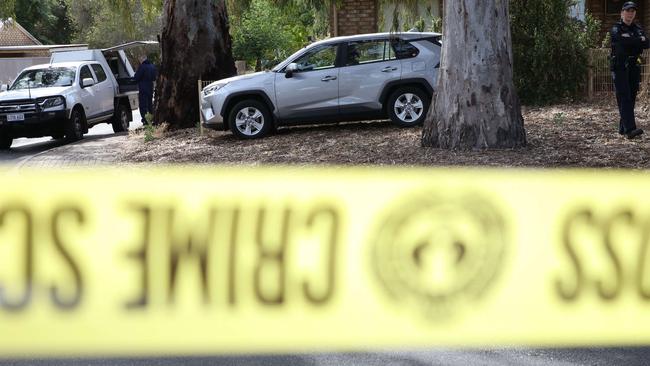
44, 78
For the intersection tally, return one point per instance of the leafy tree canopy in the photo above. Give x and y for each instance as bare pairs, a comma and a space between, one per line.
103, 23
47, 20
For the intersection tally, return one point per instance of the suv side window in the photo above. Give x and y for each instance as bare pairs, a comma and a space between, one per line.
317, 59
99, 72
365, 52
85, 74
404, 50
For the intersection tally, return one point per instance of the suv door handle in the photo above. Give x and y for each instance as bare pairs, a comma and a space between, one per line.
328, 78
389, 69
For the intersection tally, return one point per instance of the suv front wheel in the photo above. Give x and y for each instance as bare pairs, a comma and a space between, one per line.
74, 126
408, 106
250, 119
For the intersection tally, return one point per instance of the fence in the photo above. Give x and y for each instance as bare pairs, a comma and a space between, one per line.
600, 77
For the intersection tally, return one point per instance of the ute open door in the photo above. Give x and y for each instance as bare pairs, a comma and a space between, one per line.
118, 61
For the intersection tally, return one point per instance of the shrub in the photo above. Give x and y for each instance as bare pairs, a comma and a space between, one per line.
260, 35
550, 50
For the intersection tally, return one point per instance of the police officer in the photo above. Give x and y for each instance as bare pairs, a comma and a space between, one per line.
145, 76
628, 42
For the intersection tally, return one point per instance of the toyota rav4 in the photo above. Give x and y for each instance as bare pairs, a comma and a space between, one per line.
340, 79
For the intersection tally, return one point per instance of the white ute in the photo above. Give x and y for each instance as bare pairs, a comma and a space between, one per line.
75, 91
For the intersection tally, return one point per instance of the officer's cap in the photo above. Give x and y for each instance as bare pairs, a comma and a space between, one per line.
629, 5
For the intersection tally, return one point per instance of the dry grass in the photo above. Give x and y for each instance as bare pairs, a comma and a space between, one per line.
571, 135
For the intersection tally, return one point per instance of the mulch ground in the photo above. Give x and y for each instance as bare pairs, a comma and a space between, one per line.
570, 135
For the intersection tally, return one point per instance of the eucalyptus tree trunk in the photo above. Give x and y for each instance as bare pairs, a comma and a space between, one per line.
475, 105
195, 44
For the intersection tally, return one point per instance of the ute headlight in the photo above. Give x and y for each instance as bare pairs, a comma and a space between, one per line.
213, 88
51, 103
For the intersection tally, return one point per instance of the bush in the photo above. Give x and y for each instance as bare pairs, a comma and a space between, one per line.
260, 36
550, 50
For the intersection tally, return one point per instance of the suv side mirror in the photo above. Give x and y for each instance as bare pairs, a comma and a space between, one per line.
293, 67
3, 88
87, 82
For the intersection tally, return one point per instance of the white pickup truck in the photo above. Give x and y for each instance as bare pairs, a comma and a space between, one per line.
75, 91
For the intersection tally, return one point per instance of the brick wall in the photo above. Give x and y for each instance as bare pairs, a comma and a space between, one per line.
598, 9
354, 17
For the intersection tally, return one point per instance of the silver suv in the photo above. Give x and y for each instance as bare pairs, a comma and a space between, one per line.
339, 79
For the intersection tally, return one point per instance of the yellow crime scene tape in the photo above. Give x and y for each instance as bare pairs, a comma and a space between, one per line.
226, 260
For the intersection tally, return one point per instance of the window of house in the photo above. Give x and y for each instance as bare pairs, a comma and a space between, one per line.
614, 6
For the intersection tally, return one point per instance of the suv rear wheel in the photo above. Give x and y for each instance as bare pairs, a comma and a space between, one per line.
250, 119
408, 106
5, 141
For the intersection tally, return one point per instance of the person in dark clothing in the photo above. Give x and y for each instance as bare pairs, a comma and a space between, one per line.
145, 76
628, 42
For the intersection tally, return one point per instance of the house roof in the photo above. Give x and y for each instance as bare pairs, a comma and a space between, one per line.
46, 48
13, 34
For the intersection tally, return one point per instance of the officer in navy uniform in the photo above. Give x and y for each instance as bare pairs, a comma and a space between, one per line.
628, 42
145, 76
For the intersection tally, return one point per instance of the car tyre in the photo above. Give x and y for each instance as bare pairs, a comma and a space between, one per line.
74, 126
5, 141
121, 119
408, 106
250, 119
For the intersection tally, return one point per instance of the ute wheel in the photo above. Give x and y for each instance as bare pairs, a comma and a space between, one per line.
408, 106
250, 119
74, 126
5, 141
121, 119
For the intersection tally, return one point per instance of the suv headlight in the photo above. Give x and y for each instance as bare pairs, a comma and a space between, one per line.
51, 103
213, 88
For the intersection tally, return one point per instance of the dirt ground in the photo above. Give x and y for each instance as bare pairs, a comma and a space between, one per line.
570, 135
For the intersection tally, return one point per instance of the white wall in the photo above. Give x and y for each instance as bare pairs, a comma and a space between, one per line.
10, 67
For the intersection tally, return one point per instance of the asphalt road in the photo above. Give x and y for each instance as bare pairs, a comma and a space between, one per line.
490, 357
24, 148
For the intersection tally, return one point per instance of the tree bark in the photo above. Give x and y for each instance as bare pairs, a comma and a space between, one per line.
195, 44
475, 105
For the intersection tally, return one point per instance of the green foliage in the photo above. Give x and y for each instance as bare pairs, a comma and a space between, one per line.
436, 25
148, 128
404, 15
7, 9
47, 20
607, 41
104, 23
419, 25
264, 35
550, 50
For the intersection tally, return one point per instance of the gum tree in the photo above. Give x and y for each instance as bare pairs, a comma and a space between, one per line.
476, 104
195, 43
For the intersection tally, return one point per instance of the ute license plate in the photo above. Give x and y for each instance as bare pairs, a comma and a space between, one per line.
15, 117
